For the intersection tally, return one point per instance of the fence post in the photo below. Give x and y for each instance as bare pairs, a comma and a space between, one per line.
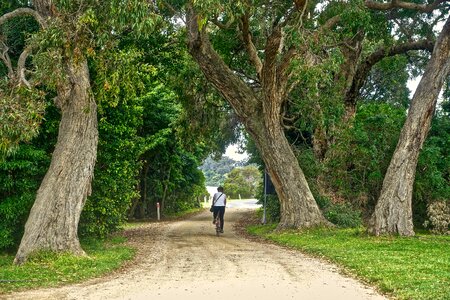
157, 210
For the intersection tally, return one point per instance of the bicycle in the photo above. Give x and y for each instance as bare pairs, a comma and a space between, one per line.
217, 223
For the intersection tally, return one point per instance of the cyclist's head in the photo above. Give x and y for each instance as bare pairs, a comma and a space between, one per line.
220, 189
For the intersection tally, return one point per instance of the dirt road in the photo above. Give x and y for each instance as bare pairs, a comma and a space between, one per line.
185, 260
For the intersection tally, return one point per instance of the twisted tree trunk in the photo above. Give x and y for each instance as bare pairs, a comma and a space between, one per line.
53, 220
260, 113
298, 206
393, 212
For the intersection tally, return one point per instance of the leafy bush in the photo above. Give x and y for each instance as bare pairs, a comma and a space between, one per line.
343, 215
187, 185
439, 215
273, 213
433, 169
272, 208
356, 163
20, 176
117, 168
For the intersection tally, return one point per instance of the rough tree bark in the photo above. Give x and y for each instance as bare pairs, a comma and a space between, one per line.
393, 212
53, 220
260, 113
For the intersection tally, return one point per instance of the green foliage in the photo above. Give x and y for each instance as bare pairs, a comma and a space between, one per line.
20, 176
406, 268
387, 82
21, 109
215, 170
272, 208
18, 186
116, 170
121, 115
354, 17
82, 29
343, 215
357, 162
170, 173
121, 76
187, 185
242, 182
20, 116
433, 168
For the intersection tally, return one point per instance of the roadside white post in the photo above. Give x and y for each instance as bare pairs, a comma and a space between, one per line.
157, 210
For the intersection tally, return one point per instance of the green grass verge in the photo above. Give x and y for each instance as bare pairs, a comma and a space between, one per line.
48, 269
404, 267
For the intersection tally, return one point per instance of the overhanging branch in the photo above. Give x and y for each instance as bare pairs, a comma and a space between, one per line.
426, 8
21, 67
222, 25
24, 11
364, 68
251, 49
398, 49
329, 24
240, 96
6, 59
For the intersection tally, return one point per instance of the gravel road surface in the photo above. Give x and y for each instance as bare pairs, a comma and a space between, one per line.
185, 260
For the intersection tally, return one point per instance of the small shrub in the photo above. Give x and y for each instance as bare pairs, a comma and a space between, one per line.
272, 208
343, 215
439, 216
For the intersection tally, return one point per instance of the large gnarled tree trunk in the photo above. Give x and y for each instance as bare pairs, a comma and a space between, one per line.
298, 207
393, 212
53, 220
260, 112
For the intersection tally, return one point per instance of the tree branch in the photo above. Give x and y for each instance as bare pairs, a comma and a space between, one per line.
329, 24
426, 8
233, 89
269, 79
282, 70
6, 59
251, 49
221, 25
21, 66
24, 11
364, 68
303, 4
398, 49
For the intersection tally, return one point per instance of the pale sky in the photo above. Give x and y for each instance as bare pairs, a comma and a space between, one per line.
231, 152
412, 84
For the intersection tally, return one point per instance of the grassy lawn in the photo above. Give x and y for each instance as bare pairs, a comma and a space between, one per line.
49, 269
406, 268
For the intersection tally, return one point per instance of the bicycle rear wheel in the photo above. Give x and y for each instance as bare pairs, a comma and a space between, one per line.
217, 226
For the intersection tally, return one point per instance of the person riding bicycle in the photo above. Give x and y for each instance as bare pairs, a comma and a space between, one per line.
219, 203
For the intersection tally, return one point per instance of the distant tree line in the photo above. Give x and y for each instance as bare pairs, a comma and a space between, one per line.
215, 170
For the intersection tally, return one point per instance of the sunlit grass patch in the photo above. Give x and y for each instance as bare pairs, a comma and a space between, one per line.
406, 267
47, 269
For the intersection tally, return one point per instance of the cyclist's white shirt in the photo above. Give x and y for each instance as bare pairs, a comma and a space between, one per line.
221, 200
